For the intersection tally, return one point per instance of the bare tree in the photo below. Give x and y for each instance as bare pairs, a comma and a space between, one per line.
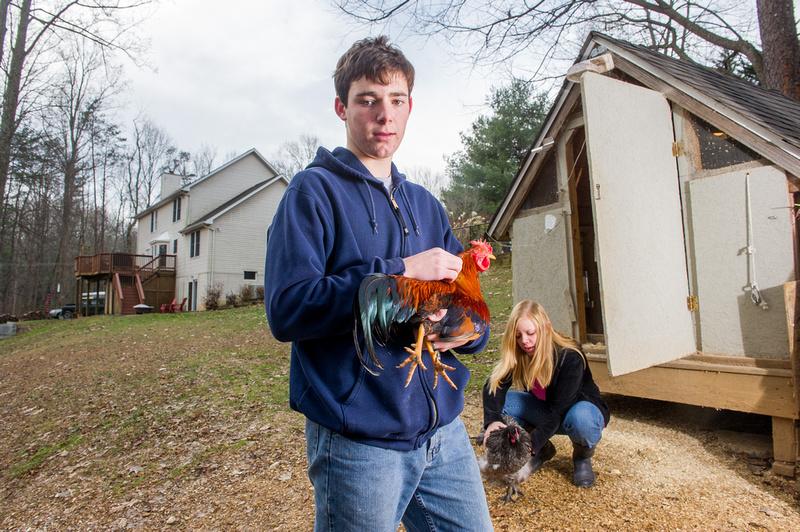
295, 155
422, 175
77, 104
203, 160
41, 25
151, 151
697, 30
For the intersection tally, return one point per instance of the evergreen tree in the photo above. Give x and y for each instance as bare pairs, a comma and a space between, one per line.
493, 149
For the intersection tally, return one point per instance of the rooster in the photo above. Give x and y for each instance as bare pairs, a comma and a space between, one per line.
387, 303
507, 458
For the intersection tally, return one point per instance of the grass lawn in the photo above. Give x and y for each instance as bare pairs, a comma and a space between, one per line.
99, 409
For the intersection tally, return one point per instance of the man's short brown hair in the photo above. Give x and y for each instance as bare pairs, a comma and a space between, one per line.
373, 58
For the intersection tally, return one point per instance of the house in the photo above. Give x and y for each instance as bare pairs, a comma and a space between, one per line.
215, 226
209, 232
654, 217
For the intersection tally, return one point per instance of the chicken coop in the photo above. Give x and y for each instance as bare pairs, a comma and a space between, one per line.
655, 218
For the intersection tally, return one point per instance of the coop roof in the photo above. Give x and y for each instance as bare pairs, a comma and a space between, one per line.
763, 120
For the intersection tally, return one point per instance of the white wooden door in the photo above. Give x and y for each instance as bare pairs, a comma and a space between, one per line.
638, 224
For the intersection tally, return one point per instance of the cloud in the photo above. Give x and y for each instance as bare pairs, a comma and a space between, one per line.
241, 74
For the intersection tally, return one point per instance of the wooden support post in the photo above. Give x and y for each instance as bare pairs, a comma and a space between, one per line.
784, 446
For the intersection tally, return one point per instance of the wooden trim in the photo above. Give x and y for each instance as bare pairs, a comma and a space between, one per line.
792, 302
575, 227
784, 446
700, 384
139, 289
755, 142
722, 363
118, 287
537, 210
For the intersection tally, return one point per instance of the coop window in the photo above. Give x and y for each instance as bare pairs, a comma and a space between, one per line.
249, 275
717, 149
545, 187
175, 246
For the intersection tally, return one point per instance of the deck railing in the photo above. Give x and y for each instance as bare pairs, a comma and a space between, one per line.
125, 263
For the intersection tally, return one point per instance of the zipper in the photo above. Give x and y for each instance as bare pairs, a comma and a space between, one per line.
429, 394
425, 387
399, 216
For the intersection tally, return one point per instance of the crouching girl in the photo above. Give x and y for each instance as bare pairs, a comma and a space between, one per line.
553, 390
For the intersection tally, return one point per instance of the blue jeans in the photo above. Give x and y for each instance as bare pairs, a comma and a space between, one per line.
583, 422
359, 487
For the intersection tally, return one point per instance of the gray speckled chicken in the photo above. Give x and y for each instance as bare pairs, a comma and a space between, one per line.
507, 458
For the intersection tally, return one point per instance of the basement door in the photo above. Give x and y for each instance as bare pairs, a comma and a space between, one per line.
638, 224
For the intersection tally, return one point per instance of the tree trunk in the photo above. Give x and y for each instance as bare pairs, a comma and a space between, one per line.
3, 19
780, 45
8, 116
64, 260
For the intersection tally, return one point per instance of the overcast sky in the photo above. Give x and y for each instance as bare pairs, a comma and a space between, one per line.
244, 73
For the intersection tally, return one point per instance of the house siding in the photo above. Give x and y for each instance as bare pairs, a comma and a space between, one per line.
240, 236
190, 268
225, 185
165, 225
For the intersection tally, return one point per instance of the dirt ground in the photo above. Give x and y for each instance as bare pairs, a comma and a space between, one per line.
121, 424
652, 475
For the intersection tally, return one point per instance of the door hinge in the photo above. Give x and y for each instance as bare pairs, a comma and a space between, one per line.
692, 304
677, 149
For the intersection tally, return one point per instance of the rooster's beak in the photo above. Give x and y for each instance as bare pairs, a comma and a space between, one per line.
492, 257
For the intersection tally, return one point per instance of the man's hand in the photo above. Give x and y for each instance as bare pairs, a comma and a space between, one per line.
434, 264
493, 426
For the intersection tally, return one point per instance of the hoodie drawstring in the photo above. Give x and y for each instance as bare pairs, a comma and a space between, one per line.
372, 217
410, 210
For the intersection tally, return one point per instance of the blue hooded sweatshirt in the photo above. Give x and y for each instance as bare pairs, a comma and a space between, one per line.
336, 224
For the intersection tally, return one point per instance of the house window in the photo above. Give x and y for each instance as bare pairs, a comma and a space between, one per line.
194, 244
175, 247
176, 209
153, 221
249, 276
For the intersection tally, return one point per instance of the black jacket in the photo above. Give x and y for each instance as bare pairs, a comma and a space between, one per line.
572, 382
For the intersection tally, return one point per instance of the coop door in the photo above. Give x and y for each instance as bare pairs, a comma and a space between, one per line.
639, 230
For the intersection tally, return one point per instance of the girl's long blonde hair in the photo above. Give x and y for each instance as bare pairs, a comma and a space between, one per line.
524, 368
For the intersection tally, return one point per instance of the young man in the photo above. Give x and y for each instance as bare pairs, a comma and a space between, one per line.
378, 452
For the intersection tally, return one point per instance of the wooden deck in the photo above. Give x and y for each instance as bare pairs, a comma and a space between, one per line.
122, 263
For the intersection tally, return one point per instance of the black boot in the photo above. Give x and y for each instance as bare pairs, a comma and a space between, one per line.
583, 476
547, 452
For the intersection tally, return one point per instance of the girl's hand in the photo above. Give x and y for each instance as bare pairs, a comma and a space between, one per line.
493, 426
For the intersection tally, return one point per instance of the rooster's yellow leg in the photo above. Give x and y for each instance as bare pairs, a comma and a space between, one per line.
439, 367
415, 357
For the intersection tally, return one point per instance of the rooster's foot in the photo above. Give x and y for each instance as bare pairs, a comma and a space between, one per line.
439, 367
415, 356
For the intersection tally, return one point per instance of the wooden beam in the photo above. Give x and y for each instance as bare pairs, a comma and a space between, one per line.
767, 394
792, 303
784, 446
